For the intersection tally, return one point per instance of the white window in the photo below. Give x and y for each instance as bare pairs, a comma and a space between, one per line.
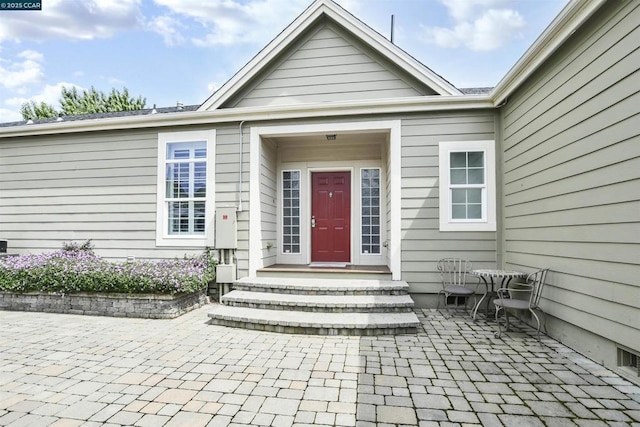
291, 211
467, 186
370, 211
185, 188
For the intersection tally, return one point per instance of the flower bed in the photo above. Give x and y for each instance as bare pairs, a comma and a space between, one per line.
75, 280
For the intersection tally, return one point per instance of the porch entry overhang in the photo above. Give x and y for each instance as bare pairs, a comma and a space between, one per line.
313, 202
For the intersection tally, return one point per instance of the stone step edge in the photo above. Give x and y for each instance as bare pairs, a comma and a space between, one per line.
319, 301
304, 319
321, 285
315, 331
320, 310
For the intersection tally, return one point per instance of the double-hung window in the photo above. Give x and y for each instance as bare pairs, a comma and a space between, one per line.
185, 188
467, 186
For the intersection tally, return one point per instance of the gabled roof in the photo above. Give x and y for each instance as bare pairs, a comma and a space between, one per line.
311, 15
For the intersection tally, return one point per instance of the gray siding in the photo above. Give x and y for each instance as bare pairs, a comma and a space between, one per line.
422, 242
90, 186
99, 186
268, 202
572, 181
327, 65
228, 183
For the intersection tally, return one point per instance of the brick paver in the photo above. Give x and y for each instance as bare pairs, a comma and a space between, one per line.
67, 370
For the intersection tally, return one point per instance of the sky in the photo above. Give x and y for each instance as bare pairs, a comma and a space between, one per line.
171, 51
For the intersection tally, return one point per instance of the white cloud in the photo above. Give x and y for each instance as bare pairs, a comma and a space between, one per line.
21, 73
72, 19
467, 10
49, 94
114, 81
169, 28
478, 26
227, 22
7, 116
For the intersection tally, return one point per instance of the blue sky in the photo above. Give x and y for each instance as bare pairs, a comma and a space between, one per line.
182, 50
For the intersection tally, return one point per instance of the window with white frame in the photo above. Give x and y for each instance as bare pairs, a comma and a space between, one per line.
291, 212
185, 196
467, 186
370, 210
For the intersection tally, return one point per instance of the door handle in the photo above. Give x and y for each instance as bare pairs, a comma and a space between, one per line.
313, 222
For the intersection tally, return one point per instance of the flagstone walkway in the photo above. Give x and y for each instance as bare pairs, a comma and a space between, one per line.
66, 370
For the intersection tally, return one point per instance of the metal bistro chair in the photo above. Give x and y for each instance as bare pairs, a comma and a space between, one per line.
453, 272
534, 284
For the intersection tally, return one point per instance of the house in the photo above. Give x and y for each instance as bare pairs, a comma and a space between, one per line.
332, 114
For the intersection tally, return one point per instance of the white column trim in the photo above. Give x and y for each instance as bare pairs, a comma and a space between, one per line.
254, 203
395, 243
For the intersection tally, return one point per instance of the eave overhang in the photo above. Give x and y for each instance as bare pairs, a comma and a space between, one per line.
359, 108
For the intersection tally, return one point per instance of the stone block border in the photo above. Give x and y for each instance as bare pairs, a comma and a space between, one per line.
148, 306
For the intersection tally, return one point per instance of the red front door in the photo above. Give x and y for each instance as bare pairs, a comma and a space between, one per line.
331, 213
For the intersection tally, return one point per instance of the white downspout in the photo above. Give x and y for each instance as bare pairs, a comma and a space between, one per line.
241, 168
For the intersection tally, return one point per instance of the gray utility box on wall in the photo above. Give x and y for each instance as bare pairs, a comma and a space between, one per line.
226, 228
226, 242
225, 273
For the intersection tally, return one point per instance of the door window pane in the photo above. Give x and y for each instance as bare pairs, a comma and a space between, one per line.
290, 212
370, 210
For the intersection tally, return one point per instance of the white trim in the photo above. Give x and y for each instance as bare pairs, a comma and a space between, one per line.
395, 161
292, 258
280, 216
162, 237
255, 217
322, 128
311, 166
572, 17
488, 221
287, 37
381, 234
391, 126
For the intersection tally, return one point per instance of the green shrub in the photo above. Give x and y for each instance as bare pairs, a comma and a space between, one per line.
76, 268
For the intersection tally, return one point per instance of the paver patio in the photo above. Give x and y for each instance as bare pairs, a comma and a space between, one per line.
67, 370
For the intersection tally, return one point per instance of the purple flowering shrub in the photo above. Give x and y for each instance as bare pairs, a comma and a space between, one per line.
72, 271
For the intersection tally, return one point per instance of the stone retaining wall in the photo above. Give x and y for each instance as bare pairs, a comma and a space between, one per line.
115, 305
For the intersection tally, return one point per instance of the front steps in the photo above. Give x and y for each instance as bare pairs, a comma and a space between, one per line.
321, 306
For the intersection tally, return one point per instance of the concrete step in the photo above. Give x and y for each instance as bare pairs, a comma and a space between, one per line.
319, 303
305, 322
322, 286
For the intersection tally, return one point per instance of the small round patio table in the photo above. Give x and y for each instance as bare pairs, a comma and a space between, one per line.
489, 277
